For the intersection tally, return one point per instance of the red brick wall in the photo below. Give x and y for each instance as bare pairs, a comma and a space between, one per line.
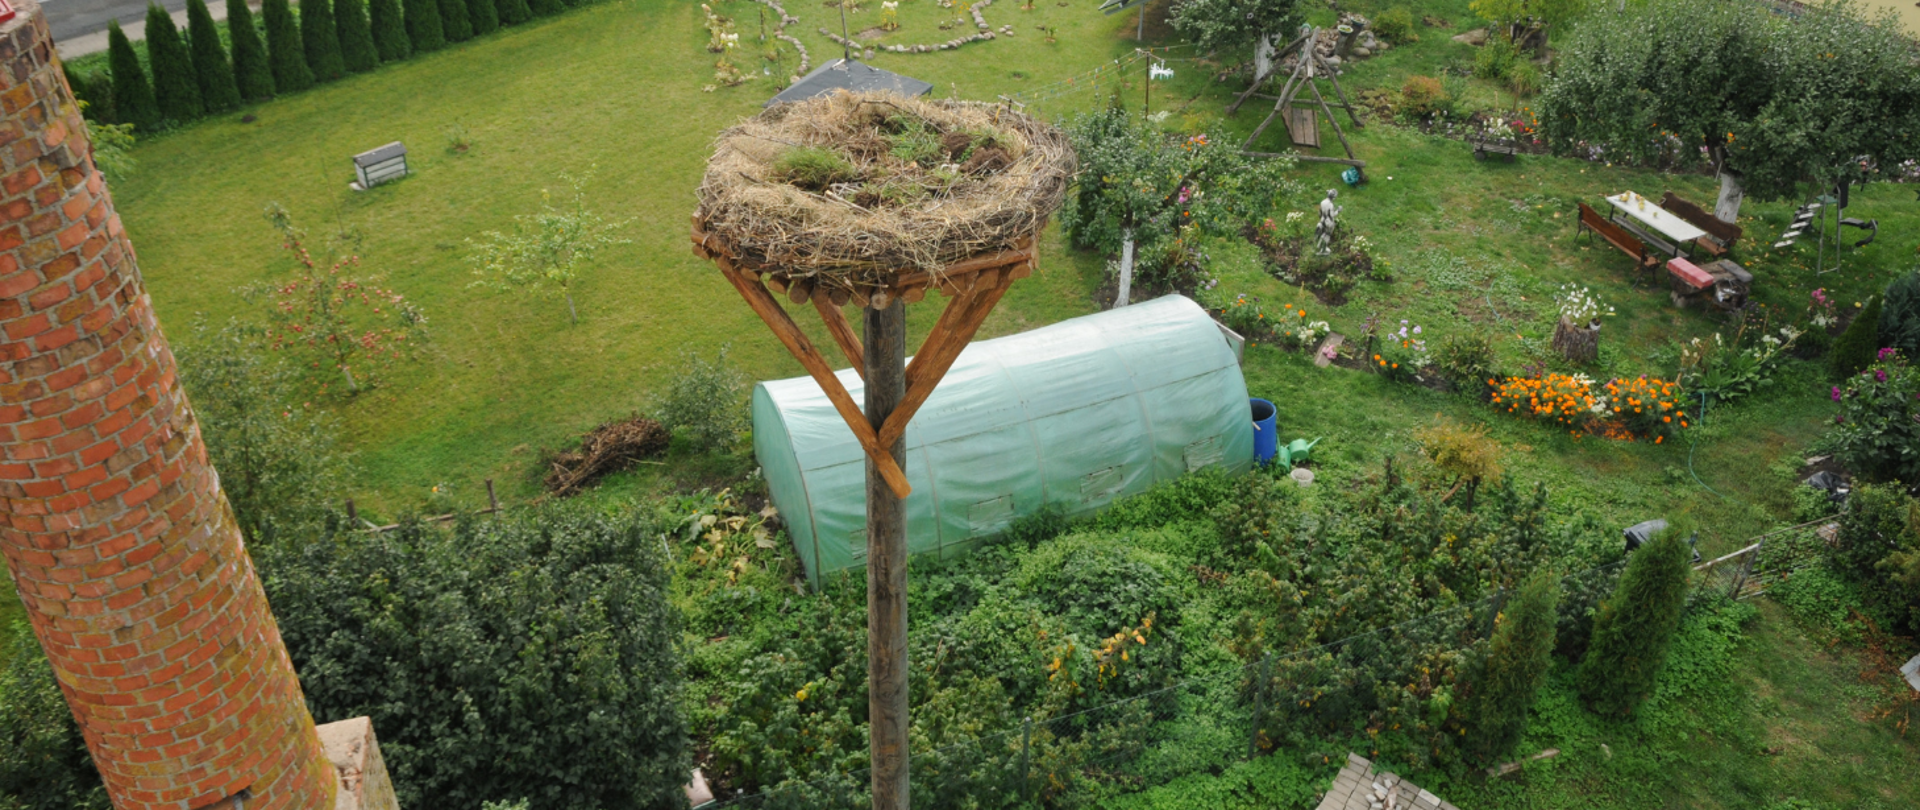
132, 570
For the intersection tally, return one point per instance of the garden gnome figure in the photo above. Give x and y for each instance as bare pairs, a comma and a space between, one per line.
1323, 235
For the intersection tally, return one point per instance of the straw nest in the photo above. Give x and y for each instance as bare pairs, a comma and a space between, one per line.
854, 189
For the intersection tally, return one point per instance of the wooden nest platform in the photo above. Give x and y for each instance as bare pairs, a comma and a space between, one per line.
857, 197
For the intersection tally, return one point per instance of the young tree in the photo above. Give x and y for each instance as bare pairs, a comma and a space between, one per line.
1516, 17
338, 322
217, 88
289, 55
1856, 347
357, 50
174, 85
483, 15
389, 30
1517, 661
423, 26
454, 22
1224, 24
513, 12
133, 101
251, 70
1636, 624
1829, 95
320, 40
546, 248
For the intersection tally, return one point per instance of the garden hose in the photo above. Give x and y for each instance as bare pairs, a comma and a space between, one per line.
1694, 444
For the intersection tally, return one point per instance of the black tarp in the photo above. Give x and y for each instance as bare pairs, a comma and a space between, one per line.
847, 74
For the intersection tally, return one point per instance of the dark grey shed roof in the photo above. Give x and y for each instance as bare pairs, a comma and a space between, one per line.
380, 155
847, 74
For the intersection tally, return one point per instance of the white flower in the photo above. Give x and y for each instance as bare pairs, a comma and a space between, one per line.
1295, 216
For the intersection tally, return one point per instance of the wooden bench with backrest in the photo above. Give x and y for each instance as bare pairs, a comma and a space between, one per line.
1591, 221
1720, 237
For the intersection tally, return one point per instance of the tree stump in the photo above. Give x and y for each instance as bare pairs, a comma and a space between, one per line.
1581, 344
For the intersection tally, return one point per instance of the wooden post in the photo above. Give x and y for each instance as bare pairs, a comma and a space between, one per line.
493, 501
886, 387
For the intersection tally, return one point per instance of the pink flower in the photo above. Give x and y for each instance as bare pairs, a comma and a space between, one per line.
1880, 375
1836, 393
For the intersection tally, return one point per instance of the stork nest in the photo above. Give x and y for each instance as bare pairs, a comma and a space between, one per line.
854, 189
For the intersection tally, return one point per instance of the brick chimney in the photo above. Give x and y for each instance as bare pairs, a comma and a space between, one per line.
132, 569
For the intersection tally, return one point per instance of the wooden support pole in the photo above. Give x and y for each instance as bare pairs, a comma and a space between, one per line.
1334, 76
886, 352
943, 346
493, 501
842, 332
1258, 80
1307, 158
1331, 120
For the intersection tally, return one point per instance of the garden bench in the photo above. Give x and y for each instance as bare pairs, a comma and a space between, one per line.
1482, 147
1721, 236
1592, 222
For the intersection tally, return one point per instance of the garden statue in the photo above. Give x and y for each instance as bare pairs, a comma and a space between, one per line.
1323, 235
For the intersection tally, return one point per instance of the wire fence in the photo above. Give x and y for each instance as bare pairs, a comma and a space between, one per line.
1767, 560
1325, 697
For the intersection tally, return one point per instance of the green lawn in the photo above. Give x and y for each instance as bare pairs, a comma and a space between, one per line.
619, 86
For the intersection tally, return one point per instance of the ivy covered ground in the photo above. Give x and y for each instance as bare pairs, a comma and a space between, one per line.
1183, 587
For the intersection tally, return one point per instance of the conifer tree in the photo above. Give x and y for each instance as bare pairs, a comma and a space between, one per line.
389, 30
251, 72
513, 12
1517, 661
133, 101
174, 86
1857, 346
320, 38
210, 68
454, 22
288, 55
84, 92
1636, 625
484, 17
546, 8
423, 26
356, 36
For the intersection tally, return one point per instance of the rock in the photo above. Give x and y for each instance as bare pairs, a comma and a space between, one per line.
869, 54
1333, 60
1477, 37
1362, 52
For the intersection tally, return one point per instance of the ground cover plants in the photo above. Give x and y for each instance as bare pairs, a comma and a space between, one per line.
1159, 615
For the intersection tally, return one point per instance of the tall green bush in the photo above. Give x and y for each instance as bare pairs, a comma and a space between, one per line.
1856, 347
133, 101
423, 26
1878, 547
513, 12
289, 55
1636, 625
357, 50
389, 30
454, 22
1900, 315
174, 86
532, 655
210, 68
706, 402
252, 72
1876, 434
546, 8
44, 763
1517, 661
320, 40
98, 106
484, 17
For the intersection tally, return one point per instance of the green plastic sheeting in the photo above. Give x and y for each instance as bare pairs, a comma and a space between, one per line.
1077, 414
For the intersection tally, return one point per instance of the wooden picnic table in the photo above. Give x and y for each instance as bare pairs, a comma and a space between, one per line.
1642, 215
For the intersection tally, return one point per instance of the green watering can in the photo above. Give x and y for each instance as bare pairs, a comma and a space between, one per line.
1298, 451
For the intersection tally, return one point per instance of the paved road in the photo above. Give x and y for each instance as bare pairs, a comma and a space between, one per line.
80, 26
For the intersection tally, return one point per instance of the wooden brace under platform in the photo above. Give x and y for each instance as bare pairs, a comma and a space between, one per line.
973, 286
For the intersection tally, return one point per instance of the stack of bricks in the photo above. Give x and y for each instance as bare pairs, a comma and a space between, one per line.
125, 553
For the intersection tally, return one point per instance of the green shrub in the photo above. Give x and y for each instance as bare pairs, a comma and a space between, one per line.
1467, 360
357, 51
484, 16
251, 69
454, 22
1517, 660
513, 12
210, 68
291, 74
389, 30
813, 168
1878, 549
1877, 432
1496, 59
133, 101
1421, 95
281, 464
1636, 624
546, 8
44, 763
1395, 25
424, 27
174, 86
1822, 601
532, 655
1855, 348
1900, 315
706, 402
1524, 78
320, 40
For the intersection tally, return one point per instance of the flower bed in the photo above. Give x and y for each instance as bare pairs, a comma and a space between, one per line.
1638, 408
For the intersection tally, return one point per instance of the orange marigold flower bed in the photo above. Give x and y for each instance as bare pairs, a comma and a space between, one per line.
1628, 409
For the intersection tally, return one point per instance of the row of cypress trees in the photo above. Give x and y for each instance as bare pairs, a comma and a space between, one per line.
192, 75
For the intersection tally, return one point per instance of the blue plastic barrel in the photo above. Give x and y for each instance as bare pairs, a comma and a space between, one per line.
1266, 433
